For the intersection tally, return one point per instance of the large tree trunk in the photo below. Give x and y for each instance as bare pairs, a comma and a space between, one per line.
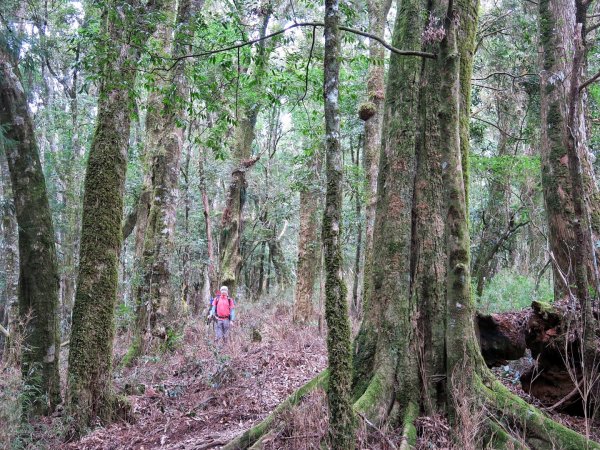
372, 113
387, 311
339, 335
39, 279
10, 265
557, 38
309, 250
417, 349
90, 393
164, 140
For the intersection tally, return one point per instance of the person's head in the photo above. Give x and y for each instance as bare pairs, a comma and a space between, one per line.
224, 290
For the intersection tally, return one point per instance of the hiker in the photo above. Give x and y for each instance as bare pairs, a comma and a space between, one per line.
223, 309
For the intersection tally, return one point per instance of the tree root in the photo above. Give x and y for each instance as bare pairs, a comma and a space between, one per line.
540, 431
499, 439
251, 436
409, 430
376, 400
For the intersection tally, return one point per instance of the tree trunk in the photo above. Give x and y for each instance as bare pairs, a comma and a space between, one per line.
282, 271
164, 138
90, 393
373, 111
496, 213
387, 323
10, 266
356, 289
186, 281
39, 279
210, 246
339, 335
557, 37
230, 258
309, 250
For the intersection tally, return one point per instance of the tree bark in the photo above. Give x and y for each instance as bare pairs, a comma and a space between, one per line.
387, 323
164, 138
10, 266
341, 415
356, 288
557, 37
38, 279
309, 252
374, 109
90, 393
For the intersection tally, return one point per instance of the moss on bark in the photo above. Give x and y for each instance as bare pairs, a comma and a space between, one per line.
339, 334
89, 390
38, 268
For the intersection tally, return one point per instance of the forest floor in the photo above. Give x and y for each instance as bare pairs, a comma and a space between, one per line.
200, 396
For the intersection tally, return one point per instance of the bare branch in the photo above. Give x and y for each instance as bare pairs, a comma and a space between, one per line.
498, 128
305, 24
514, 77
591, 80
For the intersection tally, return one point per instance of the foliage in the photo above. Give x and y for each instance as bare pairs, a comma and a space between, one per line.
511, 291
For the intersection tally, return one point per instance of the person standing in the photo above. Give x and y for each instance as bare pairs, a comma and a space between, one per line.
223, 309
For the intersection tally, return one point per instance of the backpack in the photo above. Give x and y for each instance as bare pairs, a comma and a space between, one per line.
222, 308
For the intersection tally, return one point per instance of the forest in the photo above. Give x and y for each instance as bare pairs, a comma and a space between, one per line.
286, 224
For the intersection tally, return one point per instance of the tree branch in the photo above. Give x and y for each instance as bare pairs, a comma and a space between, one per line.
514, 77
305, 24
591, 80
498, 128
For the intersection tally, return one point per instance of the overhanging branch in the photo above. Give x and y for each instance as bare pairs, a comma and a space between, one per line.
305, 24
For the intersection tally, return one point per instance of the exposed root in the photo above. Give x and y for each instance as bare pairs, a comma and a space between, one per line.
500, 439
254, 434
377, 399
409, 430
540, 431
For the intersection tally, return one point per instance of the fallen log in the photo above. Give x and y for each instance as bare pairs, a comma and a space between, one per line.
501, 336
556, 349
548, 332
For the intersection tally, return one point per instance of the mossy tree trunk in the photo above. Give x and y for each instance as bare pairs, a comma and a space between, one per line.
341, 415
417, 350
90, 393
372, 113
387, 324
164, 140
38, 268
559, 35
357, 276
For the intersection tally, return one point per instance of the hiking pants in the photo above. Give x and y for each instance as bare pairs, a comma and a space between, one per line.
222, 328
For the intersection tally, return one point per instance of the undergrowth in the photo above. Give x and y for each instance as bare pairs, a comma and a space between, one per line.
510, 291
